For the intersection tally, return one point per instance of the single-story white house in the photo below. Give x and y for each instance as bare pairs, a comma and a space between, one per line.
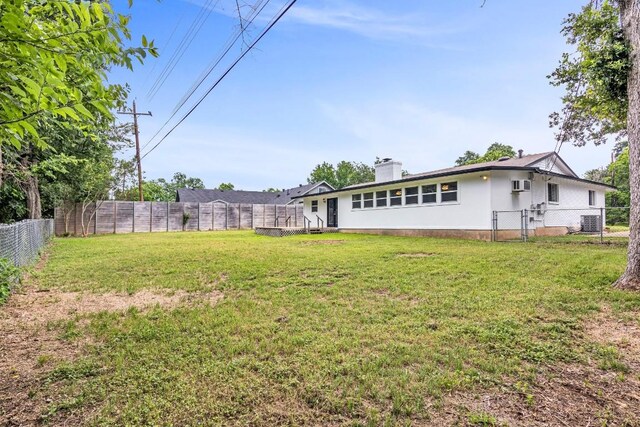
465, 201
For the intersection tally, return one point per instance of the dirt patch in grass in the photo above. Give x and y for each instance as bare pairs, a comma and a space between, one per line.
566, 394
415, 255
31, 348
48, 306
607, 329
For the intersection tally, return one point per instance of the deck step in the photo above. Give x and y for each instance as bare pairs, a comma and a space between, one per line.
315, 231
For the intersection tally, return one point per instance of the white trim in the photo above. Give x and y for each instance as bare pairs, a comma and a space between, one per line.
316, 186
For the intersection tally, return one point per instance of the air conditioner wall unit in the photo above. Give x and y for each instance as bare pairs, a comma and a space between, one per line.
520, 185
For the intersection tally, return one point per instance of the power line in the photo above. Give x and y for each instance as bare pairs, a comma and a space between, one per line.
233, 39
259, 7
166, 44
274, 21
562, 135
186, 41
180, 46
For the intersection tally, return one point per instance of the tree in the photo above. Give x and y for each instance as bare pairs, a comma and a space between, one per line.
602, 99
343, 174
158, 190
226, 186
494, 152
54, 54
468, 158
125, 174
180, 180
53, 80
616, 174
597, 175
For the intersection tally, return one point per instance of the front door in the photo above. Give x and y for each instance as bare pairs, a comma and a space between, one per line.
332, 212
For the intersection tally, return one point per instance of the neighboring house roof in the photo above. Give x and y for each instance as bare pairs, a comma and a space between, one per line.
247, 197
530, 162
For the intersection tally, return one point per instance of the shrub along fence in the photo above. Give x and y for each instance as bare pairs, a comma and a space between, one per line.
106, 217
20, 243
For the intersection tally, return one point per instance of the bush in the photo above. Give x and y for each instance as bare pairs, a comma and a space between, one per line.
8, 276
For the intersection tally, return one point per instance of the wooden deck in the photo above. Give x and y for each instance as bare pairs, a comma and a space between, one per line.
290, 231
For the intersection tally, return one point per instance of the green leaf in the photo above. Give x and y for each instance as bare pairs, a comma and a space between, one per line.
31, 86
83, 110
67, 111
29, 128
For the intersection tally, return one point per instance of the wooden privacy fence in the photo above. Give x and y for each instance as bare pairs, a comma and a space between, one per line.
138, 217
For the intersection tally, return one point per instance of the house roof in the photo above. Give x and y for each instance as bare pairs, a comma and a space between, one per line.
526, 162
246, 197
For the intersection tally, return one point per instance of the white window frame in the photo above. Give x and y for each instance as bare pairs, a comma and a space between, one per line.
356, 198
593, 200
365, 200
456, 191
314, 208
416, 195
434, 193
553, 202
385, 198
395, 197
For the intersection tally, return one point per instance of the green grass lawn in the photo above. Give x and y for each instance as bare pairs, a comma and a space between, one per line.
319, 333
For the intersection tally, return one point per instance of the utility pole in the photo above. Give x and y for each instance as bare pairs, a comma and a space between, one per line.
135, 115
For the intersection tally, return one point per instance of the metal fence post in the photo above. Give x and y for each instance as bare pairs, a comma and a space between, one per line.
494, 226
601, 225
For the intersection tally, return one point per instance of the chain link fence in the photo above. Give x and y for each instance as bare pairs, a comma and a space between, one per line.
597, 225
21, 242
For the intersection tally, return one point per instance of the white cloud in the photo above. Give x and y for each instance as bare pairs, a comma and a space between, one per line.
364, 21
349, 16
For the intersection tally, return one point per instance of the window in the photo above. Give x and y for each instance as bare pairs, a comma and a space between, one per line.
395, 198
553, 193
368, 200
411, 196
449, 192
321, 190
429, 193
314, 206
381, 198
592, 198
355, 201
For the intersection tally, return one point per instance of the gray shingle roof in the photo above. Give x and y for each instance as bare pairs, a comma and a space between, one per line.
515, 162
241, 196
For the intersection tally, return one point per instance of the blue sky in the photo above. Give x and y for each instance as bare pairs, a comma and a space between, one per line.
418, 81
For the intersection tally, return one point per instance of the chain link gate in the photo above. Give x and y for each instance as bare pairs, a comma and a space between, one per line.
510, 226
